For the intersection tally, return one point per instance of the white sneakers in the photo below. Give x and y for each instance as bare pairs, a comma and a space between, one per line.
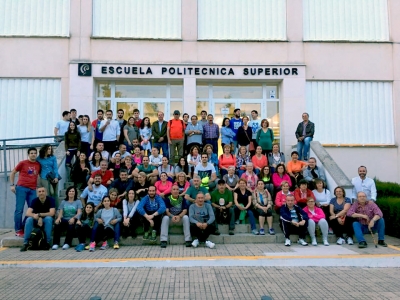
65, 247
210, 245
340, 241
302, 242
287, 242
195, 243
326, 242
314, 241
55, 247
349, 241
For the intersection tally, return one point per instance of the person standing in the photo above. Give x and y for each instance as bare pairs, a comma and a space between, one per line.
73, 114
235, 123
62, 127
136, 116
255, 125
111, 131
98, 135
48, 171
130, 133
244, 134
211, 133
203, 121
159, 131
265, 137
86, 132
175, 135
122, 122
25, 191
304, 135
194, 133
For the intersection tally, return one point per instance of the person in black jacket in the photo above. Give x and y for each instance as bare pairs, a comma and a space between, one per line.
159, 131
293, 220
304, 136
244, 134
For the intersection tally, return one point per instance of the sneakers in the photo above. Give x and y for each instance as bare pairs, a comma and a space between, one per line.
65, 247
262, 232
24, 248
272, 231
146, 235
326, 242
216, 232
104, 246
55, 247
255, 232
362, 244
80, 248
382, 243
195, 243
210, 245
92, 246
87, 247
314, 241
349, 241
340, 241
19, 233
302, 242
330, 231
153, 236
231, 232
188, 244
288, 242
116, 245
163, 244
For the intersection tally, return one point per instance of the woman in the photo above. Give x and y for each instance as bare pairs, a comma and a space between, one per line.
231, 179
193, 158
227, 134
130, 219
279, 176
226, 160
141, 186
69, 211
84, 225
48, 171
106, 226
244, 134
81, 171
163, 186
322, 196
137, 156
266, 177
316, 216
72, 140
341, 224
280, 198
265, 137
116, 165
275, 157
86, 130
302, 193
95, 162
182, 166
145, 134
167, 168
250, 177
129, 166
295, 168
115, 201
242, 201
262, 202
131, 132
242, 159
259, 160
182, 183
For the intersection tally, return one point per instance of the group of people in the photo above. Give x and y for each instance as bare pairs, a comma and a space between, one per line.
126, 183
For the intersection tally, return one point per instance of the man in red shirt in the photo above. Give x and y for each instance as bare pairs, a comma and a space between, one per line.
175, 135
136, 117
107, 176
25, 191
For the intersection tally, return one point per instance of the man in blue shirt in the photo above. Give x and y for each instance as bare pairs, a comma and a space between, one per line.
235, 123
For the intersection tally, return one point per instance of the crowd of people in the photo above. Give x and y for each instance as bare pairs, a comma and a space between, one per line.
132, 173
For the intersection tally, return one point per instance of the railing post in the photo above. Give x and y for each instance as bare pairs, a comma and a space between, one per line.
5, 160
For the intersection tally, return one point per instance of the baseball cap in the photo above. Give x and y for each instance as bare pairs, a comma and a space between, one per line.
177, 112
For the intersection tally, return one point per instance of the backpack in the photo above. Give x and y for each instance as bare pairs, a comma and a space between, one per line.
37, 240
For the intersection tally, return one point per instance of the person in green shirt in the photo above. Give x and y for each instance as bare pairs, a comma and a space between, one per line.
192, 191
150, 171
222, 203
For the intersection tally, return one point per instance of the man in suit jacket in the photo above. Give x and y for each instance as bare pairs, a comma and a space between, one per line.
159, 131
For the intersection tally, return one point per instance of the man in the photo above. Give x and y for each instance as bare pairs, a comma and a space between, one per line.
201, 218
107, 176
25, 191
211, 133
206, 171
150, 171
185, 118
235, 123
62, 126
136, 143
313, 172
176, 210
136, 117
192, 191
122, 151
110, 129
98, 135
39, 214
304, 135
159, 131
293, 220
73, 118
123, 184
194, 133
94, 195
100, 148
122, 122
175, 135
151, 208
362, 183
255, 125
222, 203
203, 120
369, 218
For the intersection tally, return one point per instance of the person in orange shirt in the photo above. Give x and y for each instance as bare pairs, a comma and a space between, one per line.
175, 135
295, 168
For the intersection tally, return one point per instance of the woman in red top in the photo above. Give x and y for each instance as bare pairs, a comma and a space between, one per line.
281, 196
163, 186
279, 176
226, 160
302, 193
259, 160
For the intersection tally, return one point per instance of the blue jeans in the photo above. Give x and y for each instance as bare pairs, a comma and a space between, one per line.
31, 222
360, 230
104, 231
303, 148
129, 148
163, 146
23, 195
250, 214
68, 158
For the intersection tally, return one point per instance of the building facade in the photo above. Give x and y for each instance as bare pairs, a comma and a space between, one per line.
337, 60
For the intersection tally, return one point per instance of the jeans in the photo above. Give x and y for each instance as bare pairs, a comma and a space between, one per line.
250, 213
31, 222
23, 195
129, 148
51, 189
68, 158
360, 230
303, 148
163, 146
100, 233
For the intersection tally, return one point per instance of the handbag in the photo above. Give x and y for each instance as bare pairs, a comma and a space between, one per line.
251, 145
51, 176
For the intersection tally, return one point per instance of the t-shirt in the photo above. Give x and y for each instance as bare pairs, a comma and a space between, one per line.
70, 208
192, 191
133, 133
175, 206
255, 125
96, 195
294, 216
176, 129
235, 124
243, 198
126, 154
204, 171
39, 207
97, 133
28, 173
138, 186
104, 177
221, 199
112, 130
147, 170
62, 127
339, 207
